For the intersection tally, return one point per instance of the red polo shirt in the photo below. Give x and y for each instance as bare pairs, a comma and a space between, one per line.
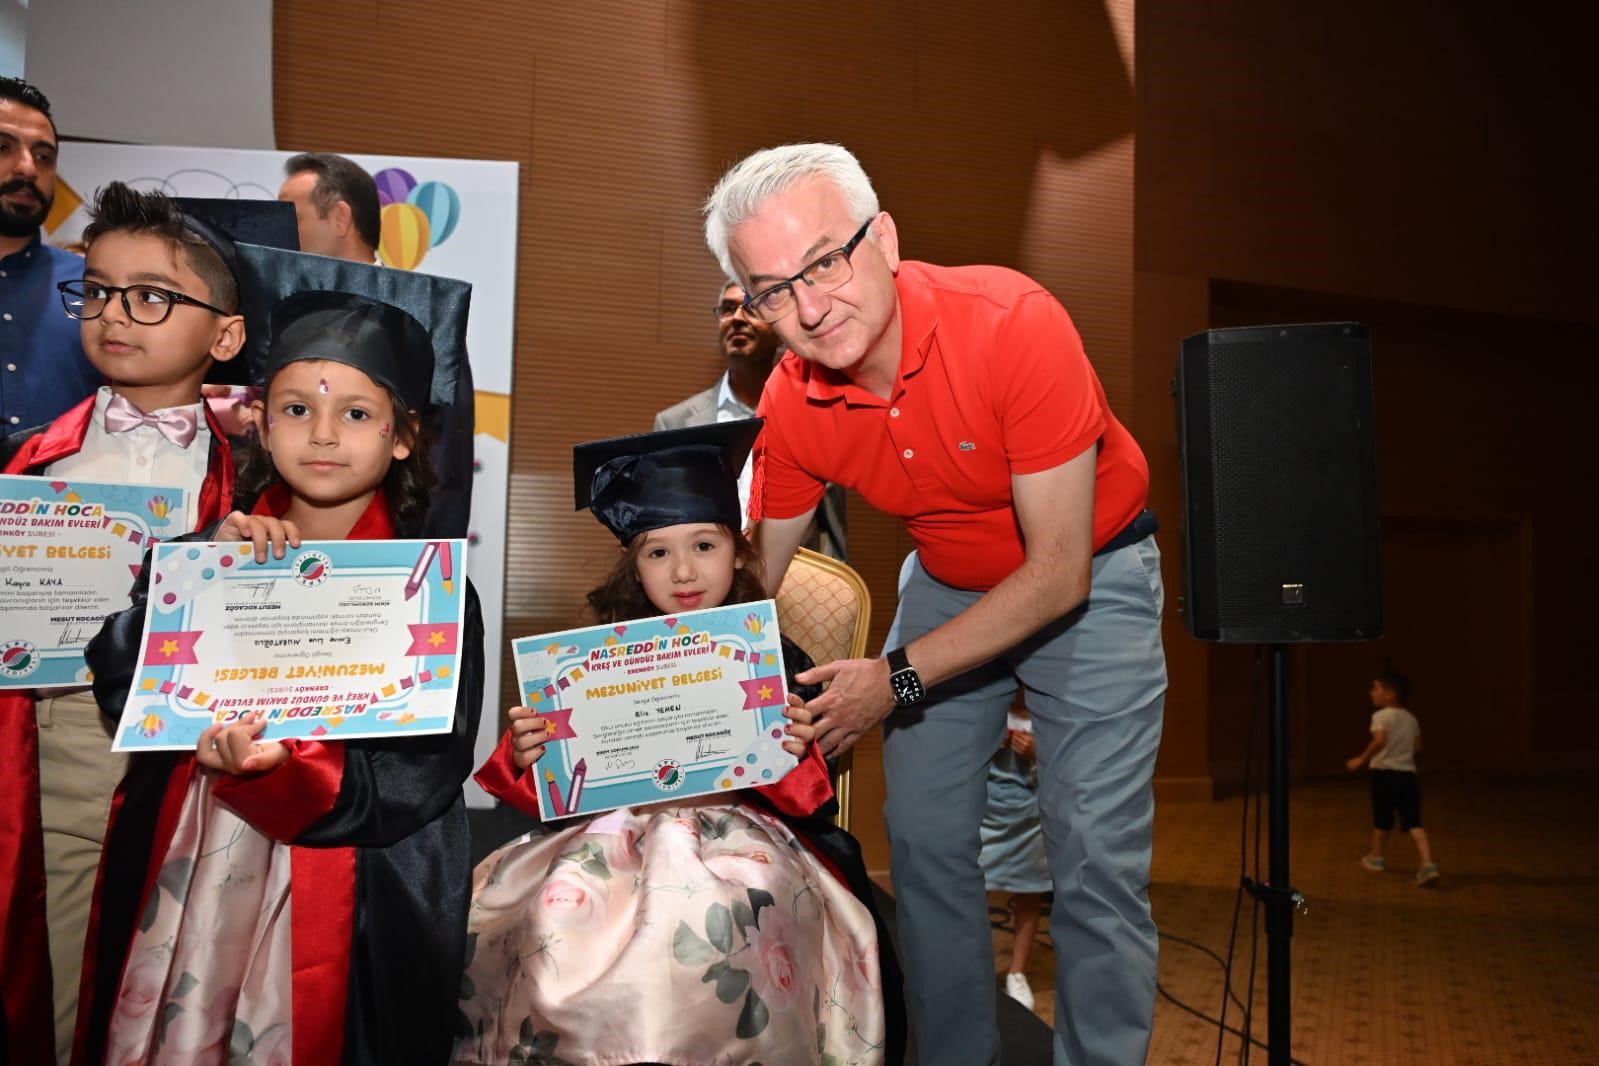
993, 381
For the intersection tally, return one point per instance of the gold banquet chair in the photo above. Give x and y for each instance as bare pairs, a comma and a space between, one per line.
825, 608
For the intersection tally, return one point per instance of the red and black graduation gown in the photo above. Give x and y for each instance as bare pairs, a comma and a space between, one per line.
380, 872
24, 948
804, 799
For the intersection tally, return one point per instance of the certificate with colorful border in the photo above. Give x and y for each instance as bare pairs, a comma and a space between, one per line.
657, 710
338, 640
69, 551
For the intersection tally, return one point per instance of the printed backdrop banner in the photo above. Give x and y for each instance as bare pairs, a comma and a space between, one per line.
452, 217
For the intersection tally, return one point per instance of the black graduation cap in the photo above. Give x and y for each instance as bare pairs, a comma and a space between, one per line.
405, 330
649, 480
223, 224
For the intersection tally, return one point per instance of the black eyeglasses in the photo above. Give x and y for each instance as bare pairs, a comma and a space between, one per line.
148, 305
827, 273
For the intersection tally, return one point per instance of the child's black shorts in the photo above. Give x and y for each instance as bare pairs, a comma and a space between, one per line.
1395, 790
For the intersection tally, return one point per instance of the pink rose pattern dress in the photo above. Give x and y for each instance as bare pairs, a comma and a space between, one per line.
697, 934
208, 976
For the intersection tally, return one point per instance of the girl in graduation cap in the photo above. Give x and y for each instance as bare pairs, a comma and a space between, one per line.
729, 929
300, 901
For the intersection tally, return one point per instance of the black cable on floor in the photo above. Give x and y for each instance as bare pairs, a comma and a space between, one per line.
1197, 946
1000, 918
1201, 1015
1222, 1026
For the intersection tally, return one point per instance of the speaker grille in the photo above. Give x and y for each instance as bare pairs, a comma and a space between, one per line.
1281, 484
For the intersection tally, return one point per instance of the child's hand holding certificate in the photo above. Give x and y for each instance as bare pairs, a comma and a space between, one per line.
660, 709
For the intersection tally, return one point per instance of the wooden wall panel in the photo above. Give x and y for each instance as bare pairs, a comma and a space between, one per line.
1008, 141
1416, 152
1413, 166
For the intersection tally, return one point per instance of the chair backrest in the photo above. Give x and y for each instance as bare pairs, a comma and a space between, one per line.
825, 608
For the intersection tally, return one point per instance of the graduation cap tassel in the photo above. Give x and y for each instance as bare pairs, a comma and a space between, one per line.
757, 507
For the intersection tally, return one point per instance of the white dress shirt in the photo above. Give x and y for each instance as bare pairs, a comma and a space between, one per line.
141, 456
730, 408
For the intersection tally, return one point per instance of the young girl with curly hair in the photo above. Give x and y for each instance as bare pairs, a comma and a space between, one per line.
735, 928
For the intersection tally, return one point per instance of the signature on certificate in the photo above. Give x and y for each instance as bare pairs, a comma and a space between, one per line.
73, 634
703, 750
260, 590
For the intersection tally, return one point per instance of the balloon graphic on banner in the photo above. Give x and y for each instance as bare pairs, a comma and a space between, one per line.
406, 236
394, 185
442, 206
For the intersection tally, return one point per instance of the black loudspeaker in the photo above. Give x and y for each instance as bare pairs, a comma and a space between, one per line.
1279, 459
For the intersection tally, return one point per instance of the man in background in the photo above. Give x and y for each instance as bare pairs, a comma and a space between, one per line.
336, 205
43, 370
751, 349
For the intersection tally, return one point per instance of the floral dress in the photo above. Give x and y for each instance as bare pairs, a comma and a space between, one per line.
703, 933
314, 913
689, 935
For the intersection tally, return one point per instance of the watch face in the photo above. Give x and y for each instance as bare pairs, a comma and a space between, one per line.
907, 687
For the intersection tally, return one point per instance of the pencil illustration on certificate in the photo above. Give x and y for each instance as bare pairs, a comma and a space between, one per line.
338, 640
658, 709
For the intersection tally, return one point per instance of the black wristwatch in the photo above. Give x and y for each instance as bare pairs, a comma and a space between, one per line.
904, 680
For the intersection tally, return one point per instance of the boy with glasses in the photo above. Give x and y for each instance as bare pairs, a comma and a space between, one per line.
158, 305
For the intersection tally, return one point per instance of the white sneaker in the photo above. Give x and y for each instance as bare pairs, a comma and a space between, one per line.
1017, 988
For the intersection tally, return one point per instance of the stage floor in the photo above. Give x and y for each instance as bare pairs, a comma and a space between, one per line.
1493, 966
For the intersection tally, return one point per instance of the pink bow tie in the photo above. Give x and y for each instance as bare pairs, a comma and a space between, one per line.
178, 425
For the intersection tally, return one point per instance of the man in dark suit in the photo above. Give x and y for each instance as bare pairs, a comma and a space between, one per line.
751, 349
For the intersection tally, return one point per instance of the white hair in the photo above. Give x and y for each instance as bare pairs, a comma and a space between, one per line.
762, 175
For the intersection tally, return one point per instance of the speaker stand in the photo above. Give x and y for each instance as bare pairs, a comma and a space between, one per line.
1278, 895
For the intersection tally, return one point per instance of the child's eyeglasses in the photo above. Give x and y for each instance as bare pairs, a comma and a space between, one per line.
148, 305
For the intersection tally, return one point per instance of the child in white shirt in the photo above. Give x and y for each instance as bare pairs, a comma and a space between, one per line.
1395, 740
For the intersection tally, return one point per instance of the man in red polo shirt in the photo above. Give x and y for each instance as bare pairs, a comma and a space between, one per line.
961, 399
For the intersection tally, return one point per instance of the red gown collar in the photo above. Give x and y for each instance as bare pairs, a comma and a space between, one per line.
61, 438
374, 523
64, 437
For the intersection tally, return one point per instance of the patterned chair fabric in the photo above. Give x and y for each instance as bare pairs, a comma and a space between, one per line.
825, 608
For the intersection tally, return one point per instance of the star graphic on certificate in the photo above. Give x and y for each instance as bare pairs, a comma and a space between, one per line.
766, 692
436, 638
169, 647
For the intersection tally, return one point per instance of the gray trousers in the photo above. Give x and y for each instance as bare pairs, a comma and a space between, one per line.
1095, 682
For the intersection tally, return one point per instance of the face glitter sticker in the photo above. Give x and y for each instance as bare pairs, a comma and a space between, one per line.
384, 432
322, 386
